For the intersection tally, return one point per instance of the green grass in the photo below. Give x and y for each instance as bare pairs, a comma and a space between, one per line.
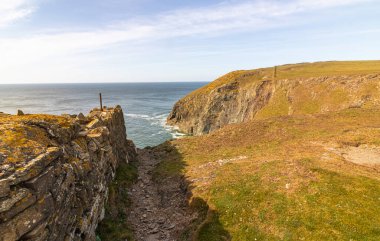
333, 207
328, 69
278, 106
291, 71
284, 189
115, 227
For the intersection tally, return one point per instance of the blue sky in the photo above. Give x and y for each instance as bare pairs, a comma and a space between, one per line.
61, 41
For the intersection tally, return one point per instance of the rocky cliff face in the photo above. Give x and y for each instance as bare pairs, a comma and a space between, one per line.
245, 95
55, 172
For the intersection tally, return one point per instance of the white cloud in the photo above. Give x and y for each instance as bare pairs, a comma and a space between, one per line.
13, 10
217, 19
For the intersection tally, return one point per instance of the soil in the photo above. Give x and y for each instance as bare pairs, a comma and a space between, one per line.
157, 212
362, 154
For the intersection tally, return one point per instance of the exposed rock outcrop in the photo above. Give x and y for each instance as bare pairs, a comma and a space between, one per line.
55, 172
241, 96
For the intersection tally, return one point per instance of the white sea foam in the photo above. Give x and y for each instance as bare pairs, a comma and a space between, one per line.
159, 120
137, 116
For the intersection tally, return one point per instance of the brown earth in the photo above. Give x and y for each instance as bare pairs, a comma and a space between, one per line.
158, 212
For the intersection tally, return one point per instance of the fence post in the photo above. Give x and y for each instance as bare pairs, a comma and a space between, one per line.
101, 101
274, 72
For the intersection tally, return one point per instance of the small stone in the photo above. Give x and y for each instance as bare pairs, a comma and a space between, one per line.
20, 112
66, 115
171, 226
154, 230
83, 133
81, 116
4, 188
93, 124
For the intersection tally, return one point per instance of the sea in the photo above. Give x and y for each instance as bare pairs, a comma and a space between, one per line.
145, 105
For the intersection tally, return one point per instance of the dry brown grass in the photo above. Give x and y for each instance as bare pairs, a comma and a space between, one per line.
291, 71
291, 183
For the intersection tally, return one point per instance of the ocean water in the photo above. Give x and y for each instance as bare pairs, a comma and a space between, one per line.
145, 105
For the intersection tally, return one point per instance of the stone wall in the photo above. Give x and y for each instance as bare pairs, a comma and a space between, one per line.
55, 172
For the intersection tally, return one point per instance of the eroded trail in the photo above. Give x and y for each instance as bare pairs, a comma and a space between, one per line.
157, 213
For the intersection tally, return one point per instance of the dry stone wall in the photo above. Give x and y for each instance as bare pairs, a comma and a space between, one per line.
55, 172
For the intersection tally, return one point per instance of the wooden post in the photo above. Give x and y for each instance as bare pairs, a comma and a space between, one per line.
101, 101
275, 72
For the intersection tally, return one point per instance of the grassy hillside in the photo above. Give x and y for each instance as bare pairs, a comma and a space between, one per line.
297, 89
303, 177
291, 71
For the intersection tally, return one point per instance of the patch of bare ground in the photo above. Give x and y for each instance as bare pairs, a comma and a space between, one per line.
158, 213
354, 155
362, 154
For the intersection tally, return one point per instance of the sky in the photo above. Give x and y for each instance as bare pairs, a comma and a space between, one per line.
79, 41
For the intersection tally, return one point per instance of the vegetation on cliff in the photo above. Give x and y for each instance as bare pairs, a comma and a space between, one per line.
306, 88
303, 177
115, 227
298, 157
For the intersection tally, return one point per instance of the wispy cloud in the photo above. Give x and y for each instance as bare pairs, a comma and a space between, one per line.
219, 19
213, 20
13, 10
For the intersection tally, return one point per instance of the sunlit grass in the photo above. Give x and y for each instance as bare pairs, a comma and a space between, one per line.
287, 187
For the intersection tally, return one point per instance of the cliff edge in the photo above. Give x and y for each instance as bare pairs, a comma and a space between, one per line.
308, 88
55, 172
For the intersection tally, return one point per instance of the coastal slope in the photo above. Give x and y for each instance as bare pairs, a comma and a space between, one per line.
298, 177
307, 88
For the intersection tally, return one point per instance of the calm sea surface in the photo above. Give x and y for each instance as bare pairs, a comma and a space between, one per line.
145, 105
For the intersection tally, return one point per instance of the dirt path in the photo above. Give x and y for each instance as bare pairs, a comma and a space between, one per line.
151, 218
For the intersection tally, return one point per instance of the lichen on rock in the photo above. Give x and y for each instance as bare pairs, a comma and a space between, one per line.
55, 172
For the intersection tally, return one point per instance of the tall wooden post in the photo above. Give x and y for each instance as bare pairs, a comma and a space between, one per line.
275, 72
101, 101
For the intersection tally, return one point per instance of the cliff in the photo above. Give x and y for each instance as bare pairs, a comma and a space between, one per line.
55, 172
308, 88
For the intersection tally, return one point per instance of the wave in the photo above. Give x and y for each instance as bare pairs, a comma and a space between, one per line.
137, 116
158, 120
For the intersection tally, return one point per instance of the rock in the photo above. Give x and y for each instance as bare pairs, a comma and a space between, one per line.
92, 146
4, 188
7, 204
245, 95
81, 118
64, 176
20, 112
35, 166
94, 124
83, 133
18, 206
27, 220
43, 183
38, 233
66, 115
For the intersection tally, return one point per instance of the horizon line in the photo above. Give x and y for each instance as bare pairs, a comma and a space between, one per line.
133, 82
